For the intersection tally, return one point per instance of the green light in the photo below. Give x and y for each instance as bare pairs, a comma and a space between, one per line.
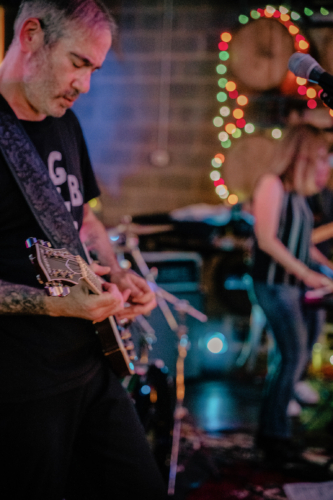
243, 19
224, 56
226, 144
218, 121
222, 82
324, 12
221, 69
237, 133
249, 128
295, 16
221, 96
216, 163
254, 14
308, 12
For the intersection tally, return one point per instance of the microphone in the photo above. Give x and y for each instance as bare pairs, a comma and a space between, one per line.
305, 66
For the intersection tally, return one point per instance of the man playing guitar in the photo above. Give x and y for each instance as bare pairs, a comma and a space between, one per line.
67, 427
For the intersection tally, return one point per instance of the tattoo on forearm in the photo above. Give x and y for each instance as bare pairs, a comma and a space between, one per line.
20, 299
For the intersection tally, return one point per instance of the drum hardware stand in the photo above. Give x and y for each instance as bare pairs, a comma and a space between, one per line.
180, 411
129, 244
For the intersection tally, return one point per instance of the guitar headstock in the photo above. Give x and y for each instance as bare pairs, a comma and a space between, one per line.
57, 269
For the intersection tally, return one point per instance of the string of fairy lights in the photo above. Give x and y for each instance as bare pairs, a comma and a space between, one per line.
232, 115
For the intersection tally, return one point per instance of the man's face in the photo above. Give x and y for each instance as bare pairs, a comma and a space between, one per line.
55, 77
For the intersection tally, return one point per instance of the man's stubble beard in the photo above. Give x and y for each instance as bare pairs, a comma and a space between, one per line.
40, 85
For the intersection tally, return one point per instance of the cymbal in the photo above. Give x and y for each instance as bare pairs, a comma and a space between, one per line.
142, 230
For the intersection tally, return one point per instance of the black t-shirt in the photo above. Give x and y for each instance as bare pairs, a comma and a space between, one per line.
42, 355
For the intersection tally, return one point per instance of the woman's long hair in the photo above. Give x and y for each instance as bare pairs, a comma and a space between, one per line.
294, 160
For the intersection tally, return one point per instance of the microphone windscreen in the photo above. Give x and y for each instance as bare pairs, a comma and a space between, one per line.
302, 65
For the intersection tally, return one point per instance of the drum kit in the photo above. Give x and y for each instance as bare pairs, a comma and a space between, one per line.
150, 378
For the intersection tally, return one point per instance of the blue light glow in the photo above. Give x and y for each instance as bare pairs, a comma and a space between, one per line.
217, 343
145, 389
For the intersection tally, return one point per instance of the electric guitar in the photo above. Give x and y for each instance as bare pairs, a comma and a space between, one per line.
58, 270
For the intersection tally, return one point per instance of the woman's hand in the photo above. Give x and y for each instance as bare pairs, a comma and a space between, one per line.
312, 279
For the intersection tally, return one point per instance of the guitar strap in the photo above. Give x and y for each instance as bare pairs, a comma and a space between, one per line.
32, 177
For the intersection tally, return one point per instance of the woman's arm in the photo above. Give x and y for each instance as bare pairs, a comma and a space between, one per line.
322, 233
267, 208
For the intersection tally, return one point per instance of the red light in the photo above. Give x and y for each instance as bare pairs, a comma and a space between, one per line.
240, 123
233, 94
277, 14
301, 90
299, 37
312, 104
219, 182
261, 12
223, 46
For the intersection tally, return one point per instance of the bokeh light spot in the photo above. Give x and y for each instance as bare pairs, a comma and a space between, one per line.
242, 100
230, 128
218, 121
276, 133
312, 104
225, 111
238, 113
249, 128
300, 81
226, 37
230, 86
233, 199
311, 93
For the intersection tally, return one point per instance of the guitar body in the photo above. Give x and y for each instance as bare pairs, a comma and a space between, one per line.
114, 340
58, 270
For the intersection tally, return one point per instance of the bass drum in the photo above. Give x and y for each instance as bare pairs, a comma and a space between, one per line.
153, 392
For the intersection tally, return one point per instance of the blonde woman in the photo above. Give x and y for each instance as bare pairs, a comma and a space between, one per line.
283, 268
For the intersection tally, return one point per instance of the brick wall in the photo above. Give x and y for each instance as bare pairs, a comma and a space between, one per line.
120, 114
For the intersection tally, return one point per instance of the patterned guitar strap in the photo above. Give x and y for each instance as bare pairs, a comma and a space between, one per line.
32, 177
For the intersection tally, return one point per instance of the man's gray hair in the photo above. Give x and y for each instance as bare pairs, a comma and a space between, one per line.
55, 15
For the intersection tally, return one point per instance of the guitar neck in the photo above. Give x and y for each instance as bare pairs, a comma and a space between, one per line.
94, 282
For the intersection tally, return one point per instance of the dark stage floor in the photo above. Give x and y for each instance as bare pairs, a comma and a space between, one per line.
218, 458
219, 405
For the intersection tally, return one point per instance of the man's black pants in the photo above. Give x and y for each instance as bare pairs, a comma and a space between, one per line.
84, 444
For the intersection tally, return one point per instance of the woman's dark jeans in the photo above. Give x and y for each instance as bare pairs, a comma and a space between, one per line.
295, 331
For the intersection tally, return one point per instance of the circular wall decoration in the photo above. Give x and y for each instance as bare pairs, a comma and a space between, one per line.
257, 56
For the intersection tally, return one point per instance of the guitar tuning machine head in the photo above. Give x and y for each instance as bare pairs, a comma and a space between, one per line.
30, 242
65, 291
39, 279
45, 243
57, 290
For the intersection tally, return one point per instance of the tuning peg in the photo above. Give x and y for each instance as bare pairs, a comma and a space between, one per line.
30, 242
54, 290
125, 335
45, 243
39, 279
129, 346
